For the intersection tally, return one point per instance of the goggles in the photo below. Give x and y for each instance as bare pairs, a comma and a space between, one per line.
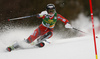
51, 10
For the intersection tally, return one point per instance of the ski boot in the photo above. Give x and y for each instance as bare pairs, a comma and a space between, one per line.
40, 44
14, 46
10, 48
43, 38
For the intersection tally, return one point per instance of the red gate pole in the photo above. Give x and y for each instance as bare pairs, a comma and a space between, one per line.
93, 28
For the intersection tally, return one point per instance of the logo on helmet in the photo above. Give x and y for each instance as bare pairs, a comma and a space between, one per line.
50, 7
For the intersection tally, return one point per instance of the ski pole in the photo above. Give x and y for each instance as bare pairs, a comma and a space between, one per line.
83, 32
79, 30
22, 17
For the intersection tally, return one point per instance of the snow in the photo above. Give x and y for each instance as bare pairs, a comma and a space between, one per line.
74, 48
65, 48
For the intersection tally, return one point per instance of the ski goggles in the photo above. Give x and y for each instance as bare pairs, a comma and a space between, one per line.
51, 10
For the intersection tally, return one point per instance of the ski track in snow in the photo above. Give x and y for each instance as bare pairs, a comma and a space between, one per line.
65, 48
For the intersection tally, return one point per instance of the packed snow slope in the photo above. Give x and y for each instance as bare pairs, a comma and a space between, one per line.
74, 48
60, 48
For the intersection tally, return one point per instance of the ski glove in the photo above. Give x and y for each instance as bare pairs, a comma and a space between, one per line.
68, 25
43, 13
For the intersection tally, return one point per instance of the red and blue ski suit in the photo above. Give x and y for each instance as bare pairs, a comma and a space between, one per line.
47, 25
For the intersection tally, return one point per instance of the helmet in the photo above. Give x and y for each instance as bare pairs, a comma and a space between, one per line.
50, 8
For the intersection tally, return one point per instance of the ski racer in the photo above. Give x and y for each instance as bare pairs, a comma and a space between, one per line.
45, 30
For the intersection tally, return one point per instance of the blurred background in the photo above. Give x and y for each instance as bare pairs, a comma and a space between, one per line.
70, 9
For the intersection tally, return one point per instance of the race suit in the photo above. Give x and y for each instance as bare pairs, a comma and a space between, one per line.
47, 25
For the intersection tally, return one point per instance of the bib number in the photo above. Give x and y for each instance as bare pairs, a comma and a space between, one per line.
48, 25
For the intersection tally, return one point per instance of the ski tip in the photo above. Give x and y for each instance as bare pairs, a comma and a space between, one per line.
8, 19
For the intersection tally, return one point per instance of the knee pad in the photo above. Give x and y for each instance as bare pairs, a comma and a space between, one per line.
48, 34
44, 37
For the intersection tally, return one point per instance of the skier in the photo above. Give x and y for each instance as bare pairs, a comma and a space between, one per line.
45, 30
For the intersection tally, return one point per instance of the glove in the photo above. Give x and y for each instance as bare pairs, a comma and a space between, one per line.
43, 13
68, 25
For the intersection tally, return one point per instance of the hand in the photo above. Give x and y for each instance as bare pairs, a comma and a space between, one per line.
68, 25
43, 13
